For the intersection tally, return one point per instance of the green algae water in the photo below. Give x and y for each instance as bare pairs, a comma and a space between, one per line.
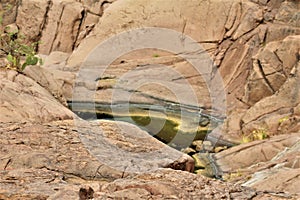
176, 127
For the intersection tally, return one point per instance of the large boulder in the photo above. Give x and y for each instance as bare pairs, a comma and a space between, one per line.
23, 100
52, 76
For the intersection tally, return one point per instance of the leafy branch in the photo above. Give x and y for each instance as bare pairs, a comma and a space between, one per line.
18, 54
13, 46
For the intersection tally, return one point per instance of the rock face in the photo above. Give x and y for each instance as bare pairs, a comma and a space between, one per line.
259, 164
254, 45
58, 25
249, 47
248, 42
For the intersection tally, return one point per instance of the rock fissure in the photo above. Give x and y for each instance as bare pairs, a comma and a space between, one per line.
236, 21
260, 67
7, 164
57, 27
44, 22
81, 22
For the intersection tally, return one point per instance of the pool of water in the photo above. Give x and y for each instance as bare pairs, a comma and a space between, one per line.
174, 126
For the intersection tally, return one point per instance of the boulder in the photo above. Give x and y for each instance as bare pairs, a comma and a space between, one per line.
65, 18
259, 164
23, 100
240, 44
31, 18
254, 46
8, 12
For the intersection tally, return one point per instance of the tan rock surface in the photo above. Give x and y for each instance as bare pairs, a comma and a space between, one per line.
23, 100
240, 31
254, 44
57, 25
277, 113
267, 165
53, 157
186, 16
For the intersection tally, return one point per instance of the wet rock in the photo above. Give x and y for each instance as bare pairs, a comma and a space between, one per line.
199, 164
219, 149
188, 151
197, 145
252, 45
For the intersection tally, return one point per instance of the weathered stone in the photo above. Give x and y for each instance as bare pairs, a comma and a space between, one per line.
254, 51
219, 149
56, 60
11, 28
65, 18
197, 145
18, 95
283, 102
164, 184
207, 146
268, 160
196, 18
288, 13
96, 7
57, 25
188, 151
250, 18
58, 82
31, 18
8, 11
272, 67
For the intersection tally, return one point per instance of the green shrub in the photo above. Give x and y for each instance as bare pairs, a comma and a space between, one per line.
13, 46
18, 53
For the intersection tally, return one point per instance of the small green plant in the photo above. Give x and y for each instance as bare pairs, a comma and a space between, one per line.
283, 119
155, 55
258, 134
18, 53
13, 46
